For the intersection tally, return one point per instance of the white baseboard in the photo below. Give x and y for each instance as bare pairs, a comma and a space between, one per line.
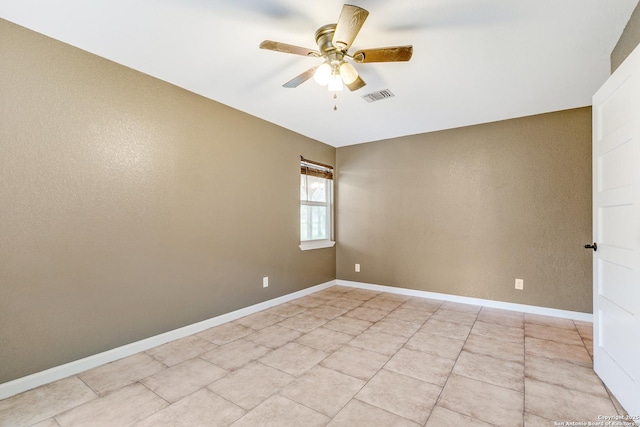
56, 373
532, 309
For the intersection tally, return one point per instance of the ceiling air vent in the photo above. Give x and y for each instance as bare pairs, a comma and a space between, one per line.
377, 96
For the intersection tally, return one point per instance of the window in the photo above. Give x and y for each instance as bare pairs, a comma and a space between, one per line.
316, 205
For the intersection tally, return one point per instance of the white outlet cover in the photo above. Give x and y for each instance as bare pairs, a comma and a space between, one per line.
520, 284
265, 282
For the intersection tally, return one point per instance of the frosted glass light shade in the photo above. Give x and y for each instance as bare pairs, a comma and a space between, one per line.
335, 83
322, 74
348, 73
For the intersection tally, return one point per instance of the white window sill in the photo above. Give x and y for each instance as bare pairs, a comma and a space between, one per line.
316, 244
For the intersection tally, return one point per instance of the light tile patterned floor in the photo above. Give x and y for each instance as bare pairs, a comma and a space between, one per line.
342, 357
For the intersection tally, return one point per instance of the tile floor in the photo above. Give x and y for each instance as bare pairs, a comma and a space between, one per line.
341, 357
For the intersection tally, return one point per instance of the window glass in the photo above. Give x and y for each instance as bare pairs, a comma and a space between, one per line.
319, 222
316, 189
316, 206
304, 223
303, 187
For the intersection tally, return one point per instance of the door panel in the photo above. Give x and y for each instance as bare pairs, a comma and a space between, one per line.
610, 233
616, 229
614, 112
613, 341
618, 279
612, 175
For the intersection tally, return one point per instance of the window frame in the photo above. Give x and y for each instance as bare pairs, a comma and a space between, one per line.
327, 171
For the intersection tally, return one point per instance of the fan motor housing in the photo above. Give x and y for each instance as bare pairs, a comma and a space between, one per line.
324, 39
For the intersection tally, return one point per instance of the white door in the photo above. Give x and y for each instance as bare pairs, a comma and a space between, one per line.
616, 230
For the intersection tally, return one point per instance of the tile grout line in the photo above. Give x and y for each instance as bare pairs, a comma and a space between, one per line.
391, 357
161, 409
562, 360
582, 339
279, 392
507, 388
609, 394
453, 366
367, 381
97, 396
381, 368
254, 361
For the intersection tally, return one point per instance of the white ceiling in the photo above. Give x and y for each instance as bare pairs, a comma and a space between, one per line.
474, 61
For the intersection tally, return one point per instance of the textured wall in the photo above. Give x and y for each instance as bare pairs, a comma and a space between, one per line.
130, 207
628, 41
466, 211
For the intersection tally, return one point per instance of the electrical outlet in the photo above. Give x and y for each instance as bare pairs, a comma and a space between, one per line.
357, 268
520, 284
265, 282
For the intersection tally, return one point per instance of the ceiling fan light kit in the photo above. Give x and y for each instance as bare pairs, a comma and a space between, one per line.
348, 72
322, 74
334, 41
335, 83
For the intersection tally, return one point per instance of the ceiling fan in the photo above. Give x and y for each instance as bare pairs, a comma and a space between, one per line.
334, 41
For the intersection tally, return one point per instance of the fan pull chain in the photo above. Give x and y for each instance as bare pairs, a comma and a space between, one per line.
335, 107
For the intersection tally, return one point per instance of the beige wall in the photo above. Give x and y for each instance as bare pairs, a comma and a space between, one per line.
628, 41
130, 207
466, 211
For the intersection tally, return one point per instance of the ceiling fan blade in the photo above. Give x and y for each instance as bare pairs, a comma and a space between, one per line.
299, 79
288, 48
384, 54
349, 24
357, 84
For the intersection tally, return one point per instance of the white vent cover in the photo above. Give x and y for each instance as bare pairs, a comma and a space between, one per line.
377, 96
